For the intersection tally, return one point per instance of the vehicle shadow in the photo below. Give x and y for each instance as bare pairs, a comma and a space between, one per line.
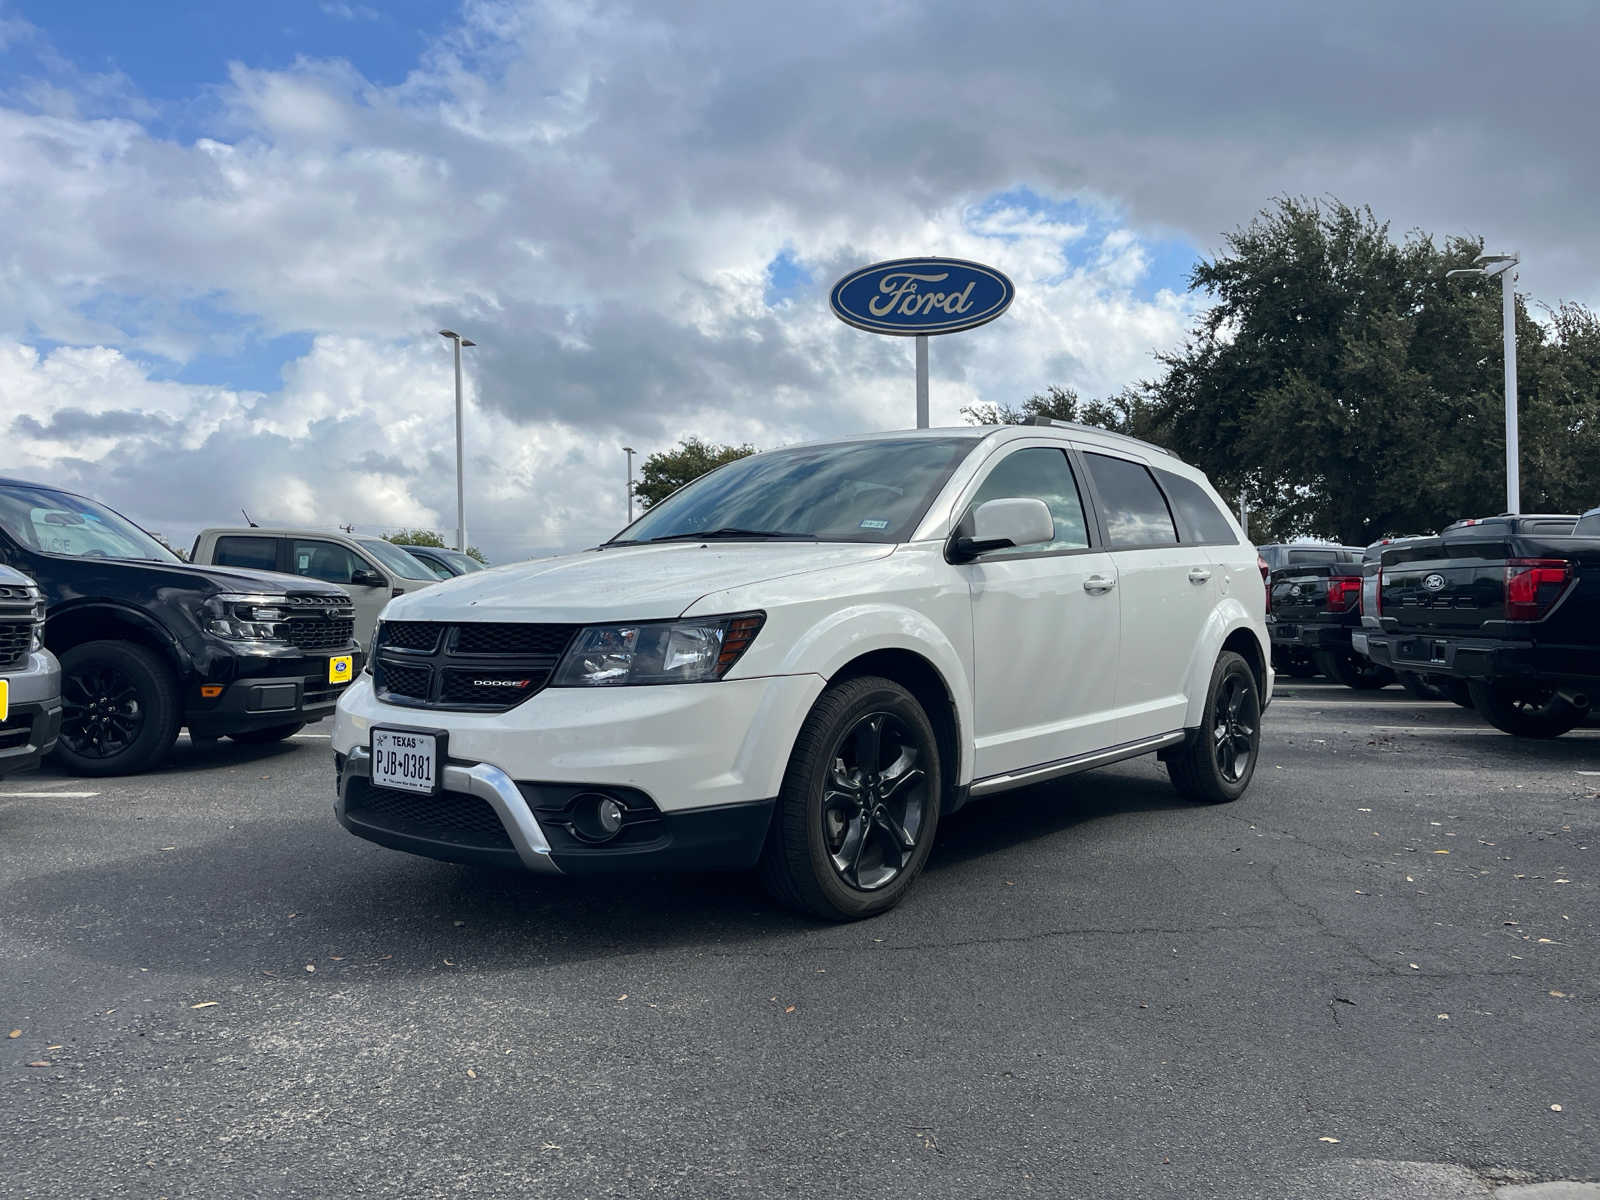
268, 898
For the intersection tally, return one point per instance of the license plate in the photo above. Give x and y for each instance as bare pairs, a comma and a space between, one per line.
405, 761
340, 667
1289, 632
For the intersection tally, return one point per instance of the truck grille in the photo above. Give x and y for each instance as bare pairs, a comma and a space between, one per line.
20, 614
320, 633
474, 666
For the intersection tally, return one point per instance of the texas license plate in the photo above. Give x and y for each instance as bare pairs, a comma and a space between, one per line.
340, 667
405, 761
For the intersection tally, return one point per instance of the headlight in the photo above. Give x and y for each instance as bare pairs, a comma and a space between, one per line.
693, 651
37, 642
241, 618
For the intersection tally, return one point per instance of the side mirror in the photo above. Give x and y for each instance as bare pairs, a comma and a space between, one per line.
361, 577
1002, 525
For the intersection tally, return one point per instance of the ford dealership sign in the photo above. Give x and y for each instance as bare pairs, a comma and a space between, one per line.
911, 296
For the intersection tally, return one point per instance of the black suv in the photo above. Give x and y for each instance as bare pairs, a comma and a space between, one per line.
149, 644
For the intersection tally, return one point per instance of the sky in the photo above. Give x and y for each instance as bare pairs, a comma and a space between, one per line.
229, 232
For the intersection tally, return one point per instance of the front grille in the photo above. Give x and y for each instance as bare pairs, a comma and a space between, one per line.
409, 682
15, 639
457, 817
325, 633
474, 666
412, 635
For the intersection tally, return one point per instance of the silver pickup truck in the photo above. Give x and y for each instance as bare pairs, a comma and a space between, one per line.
30, 677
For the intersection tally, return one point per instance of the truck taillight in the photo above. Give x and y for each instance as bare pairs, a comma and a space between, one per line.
1533, 585
1343, 592
1266, 581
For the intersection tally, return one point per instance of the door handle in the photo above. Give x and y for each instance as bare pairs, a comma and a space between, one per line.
1198, 574
1096, 584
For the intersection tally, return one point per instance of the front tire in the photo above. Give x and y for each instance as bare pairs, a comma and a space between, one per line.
860, 803
1217, 762
1353, 671
1530, 712
265, 737
120, 709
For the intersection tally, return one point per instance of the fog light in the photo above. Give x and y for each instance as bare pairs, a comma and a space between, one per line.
597, 817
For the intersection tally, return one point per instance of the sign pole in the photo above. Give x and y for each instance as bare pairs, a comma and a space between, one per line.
922, 381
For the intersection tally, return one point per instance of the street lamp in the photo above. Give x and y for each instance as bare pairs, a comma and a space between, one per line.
630, 452
1503, 265
461, 503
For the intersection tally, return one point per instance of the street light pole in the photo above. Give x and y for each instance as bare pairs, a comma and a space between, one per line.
1504, 265
461, 504
629, 451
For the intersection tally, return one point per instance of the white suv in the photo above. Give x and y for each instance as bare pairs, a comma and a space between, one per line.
806, 658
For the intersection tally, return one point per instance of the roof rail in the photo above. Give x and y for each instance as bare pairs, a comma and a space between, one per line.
1127, 437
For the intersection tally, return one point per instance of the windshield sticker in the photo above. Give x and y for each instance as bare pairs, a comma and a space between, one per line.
870, 524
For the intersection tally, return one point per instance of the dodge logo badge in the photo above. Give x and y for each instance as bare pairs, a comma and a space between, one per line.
1434, 583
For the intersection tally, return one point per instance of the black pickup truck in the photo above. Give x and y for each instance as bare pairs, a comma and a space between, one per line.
1508, 604
1315, 606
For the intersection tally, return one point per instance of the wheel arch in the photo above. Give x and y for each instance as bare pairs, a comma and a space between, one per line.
75, 624
922, 679
1229, 628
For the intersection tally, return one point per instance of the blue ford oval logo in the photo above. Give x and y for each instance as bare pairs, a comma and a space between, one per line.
909, 296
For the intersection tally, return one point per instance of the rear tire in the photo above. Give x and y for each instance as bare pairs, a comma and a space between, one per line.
1217, 762
1296, 664
860, 803
120, 709
1529, 712
265, 737
1350, 669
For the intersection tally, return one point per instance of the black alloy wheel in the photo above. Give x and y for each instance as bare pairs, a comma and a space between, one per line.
1235, 727
100, 712
874, 802
1353, 670
119, 709
1216, 762
855, 820
1525, 710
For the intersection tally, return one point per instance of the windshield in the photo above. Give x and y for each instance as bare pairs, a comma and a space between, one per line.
871, 491
464, 562
60, 523
396, 559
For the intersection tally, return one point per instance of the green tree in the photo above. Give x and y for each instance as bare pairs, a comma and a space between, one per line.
427, 537
1351, 391
666, 471
1126, 412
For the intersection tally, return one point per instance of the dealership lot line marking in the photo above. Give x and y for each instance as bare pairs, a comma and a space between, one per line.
47, 795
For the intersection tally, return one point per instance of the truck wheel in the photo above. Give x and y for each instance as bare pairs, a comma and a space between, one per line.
1293, 663
1352, 670
860, 803
119, 709
1215, 764
1531, 712
265, 737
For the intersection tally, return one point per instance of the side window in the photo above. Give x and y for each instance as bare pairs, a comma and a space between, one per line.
323, 560
1136, 512
258, 552
1198, 518
1043, 474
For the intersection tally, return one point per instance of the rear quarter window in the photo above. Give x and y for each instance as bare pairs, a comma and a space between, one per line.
1135, 511
1199, 519
260, 553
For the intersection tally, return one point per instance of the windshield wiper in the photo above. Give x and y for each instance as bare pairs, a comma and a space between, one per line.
726, 533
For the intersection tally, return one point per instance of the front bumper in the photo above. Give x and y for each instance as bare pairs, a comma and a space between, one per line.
267, 692
33, 717
1486, 658
697, 767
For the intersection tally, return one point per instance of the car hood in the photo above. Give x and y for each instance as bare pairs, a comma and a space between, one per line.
622, 583
201, 578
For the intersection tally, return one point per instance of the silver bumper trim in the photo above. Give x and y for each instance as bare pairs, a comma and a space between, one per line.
1071, 766
488, 783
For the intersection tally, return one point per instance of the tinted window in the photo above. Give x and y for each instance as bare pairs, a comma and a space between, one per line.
1199, 519
1044, 474
61, 523
327, 561
1324, 556
1136, 513
258, 552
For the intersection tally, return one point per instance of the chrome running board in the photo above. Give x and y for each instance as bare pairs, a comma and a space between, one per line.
1071, 766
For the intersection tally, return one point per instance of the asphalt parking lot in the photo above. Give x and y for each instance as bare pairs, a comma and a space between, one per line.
1375, 975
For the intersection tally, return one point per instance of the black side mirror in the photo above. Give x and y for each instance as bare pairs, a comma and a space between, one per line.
361, 577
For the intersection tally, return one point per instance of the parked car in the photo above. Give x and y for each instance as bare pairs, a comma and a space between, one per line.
446, 564
149, 644
371, 570
30, 677
1510, 605
806, 659
1424, 685
1293, 654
